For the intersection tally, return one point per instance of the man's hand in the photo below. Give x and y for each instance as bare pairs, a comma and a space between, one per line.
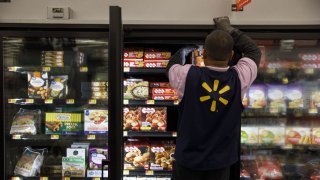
223, 23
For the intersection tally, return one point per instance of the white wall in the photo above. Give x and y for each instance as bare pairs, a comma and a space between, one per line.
166, 11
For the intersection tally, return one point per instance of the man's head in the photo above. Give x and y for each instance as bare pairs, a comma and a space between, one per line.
218, 48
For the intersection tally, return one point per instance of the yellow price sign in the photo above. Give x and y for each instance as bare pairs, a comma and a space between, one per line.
96, 178
66, 178
43, 178
126, 69
126, 101
30, 101
12, 101
84, 69
91, 137
13, 69
149, 173
125, 133
126, 172
150, 102
70, 101
15, 178
16, 136
313, 111
92, 101
309, 71
176, 102
48, 101
54, 136
46, 69
271, 70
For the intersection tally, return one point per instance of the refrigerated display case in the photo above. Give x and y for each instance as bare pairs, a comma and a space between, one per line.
57, 106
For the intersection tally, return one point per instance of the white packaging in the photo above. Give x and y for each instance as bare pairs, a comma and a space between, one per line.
76, 152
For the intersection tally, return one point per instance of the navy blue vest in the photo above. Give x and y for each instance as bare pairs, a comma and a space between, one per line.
209, 119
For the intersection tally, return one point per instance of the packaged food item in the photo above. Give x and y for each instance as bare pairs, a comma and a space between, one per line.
136, 156
26, 121
129, 178
154, 55
257, 96
76, 152
294, 94
131, 118
245, 100
73, 167
159, 85
162, 156
164, 91
153, 119
136, 89
164, 97
95, 121
197, 57
249, 134
133, 57
52, 58
38, 85
276, 97
96, 155
298, 135
99, 95
156, 64
272, 135
269, 169
315, 99
58, 88
63, 123
30, 162
316, 135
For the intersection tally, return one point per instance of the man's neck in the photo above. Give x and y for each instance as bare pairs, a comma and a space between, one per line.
220, 64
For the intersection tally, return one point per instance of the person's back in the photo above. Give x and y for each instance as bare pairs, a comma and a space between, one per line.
210, 109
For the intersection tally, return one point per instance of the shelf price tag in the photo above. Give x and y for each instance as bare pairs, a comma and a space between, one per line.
84, 69
274, 110
66, 178
151, 102
12, 101
30, 101
96, 178
46, 69
126, 101
125, 172
309, 71
92, 101
313, 111
54, 136
271, 70
48, 101
43, 178
70, 101
126, 69
16, 136
91, 137
15, 178
149, 173
176, 102
125, 133
174, 134
13, 69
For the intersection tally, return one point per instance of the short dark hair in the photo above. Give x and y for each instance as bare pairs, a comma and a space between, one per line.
219, 45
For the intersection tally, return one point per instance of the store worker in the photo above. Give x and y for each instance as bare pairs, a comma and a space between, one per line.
208, 141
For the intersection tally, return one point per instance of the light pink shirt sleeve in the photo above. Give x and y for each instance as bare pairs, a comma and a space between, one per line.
177, 77
247, 73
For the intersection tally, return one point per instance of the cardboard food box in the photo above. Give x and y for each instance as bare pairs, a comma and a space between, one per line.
151, 56
95, 121
156, 64
131, 118
73, 167
136, 89
164, 97
76, 152
294, 95
162, 156
316, 135
153, 119
63, 123
136, 156
164, 91
96, 155
249, 135
272, 135
298, 135
133, 58
135, 63
159, 85
257, 96
276, 97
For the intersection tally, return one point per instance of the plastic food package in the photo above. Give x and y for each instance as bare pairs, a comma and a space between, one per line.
96, 155
26, 121
58, 87
132, 118
136, 89
153, 119
38, 85
95, 121
257, 96
276, 97
294, 94
30, 162
269, 169
298, 135
272, 135
162, 156
249, 135
136, 156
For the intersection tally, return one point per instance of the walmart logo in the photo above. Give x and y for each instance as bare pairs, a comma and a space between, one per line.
213, 92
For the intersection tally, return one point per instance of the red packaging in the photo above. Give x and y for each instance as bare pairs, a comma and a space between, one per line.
164, 97
157, 56
269, 169
159, 84
133, 63
164, 91
131, 118
133, 54
136, 156
155, 64
153, 119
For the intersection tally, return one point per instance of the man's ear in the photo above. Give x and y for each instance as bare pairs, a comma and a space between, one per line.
204, 54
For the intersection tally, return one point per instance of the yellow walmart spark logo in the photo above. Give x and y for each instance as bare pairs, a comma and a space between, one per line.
211, 91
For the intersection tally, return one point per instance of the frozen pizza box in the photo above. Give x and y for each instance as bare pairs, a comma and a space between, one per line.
316, 135
153, 119
276, 97
159, 85
164, 91
164, 97
133, 54
136, 89
257, 96
95, 121
249, 135
272, 135
136, 156
162, 156
156, 63
298, 135
131, 118
151, 56
294, 95
131, 63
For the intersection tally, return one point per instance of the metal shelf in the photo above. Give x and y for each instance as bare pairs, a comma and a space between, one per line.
46, 137
149, 134
54, 178
151, 102
29, 101
149, 173
153, 71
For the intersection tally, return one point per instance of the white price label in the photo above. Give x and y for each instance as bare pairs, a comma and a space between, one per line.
16, 136
84, 69
54, 136
46, 69
125, 101
125, 172
174, 134
13, 69
126, 69
309, 71
125, 133
30, 101
150, 102
91, 137
48, 101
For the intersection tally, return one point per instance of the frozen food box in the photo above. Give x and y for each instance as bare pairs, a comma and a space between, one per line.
156, 63
164, 97
73, 167
133, 58
162, 156
38, 85
316, 135
63, 123
136, 89
159, 84
130, 63
294, 95
315, 99
276, 97
298, 135
257, 96
131, 118
272, 135
76, 152
151, 56
164, 91
136, 156
153, 119
249, 135
96, 155
95, 121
